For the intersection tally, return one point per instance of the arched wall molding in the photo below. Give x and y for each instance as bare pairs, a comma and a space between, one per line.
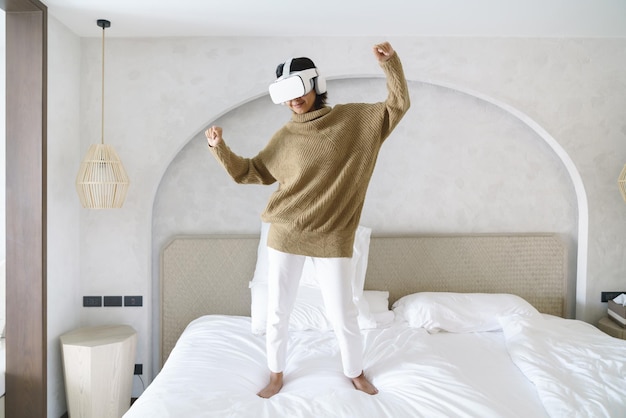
561, 154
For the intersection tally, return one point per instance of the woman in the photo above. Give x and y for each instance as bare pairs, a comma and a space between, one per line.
322, 160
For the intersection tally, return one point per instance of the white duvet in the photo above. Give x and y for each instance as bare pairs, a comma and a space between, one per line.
578, 370
218, 365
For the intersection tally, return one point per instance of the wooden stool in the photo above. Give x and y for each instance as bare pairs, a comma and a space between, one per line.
99, 364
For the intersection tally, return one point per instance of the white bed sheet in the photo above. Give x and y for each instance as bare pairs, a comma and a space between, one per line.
218, 365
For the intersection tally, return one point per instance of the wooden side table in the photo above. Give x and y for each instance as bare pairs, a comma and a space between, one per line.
610, 327
98, 363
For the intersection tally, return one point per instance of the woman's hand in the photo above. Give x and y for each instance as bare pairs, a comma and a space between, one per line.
383, 52
213, 136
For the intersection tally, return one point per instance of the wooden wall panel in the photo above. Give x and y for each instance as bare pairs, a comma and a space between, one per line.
26, 339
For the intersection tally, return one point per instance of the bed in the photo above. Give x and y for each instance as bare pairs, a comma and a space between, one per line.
453, 325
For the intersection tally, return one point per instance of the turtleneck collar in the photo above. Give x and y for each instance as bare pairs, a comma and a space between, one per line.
309, 116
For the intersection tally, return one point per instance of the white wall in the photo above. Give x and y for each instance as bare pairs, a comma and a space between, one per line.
63, 276
162, 92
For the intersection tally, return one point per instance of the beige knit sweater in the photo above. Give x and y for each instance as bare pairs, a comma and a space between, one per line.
323, 161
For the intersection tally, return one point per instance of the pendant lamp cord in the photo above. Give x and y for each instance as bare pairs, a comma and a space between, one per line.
102, 133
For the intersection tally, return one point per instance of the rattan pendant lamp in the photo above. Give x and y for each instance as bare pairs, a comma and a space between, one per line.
102, 182
621, 181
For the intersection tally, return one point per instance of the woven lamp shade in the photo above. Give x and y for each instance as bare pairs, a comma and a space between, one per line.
622, 182
102, 182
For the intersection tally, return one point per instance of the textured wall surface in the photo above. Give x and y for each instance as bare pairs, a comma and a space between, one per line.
63, 209
455, 164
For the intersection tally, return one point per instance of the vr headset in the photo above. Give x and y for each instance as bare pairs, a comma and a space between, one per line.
297, 84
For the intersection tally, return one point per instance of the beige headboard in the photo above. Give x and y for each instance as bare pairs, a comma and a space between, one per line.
203, 275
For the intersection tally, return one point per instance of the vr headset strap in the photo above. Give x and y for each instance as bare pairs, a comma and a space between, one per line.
286, 66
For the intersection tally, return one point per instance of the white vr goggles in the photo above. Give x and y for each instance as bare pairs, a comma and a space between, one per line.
297, 84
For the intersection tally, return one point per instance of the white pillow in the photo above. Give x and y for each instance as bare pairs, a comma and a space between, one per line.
460, 312
378, 303
309, 311
260, 270
377, 300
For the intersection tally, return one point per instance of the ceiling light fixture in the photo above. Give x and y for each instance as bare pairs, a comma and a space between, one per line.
102, 182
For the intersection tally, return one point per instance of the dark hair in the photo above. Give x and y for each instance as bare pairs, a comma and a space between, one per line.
297, 64
300, 64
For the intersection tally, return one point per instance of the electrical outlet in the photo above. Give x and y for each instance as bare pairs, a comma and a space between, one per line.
92, 301
133, 300
112, 301
138, 369
607, 296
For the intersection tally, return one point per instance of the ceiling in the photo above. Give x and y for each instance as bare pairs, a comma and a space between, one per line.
383, 18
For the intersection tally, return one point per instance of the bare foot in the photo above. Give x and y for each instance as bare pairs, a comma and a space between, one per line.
273, 387
361, 383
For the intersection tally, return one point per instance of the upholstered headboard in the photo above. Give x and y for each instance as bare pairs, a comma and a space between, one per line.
203, 275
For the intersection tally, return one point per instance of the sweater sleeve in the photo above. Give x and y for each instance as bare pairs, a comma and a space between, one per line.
398, 101
242, 170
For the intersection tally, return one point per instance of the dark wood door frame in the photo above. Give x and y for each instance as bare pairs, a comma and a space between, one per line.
26, 125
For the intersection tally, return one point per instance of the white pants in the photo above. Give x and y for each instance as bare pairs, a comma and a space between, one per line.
334, 278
